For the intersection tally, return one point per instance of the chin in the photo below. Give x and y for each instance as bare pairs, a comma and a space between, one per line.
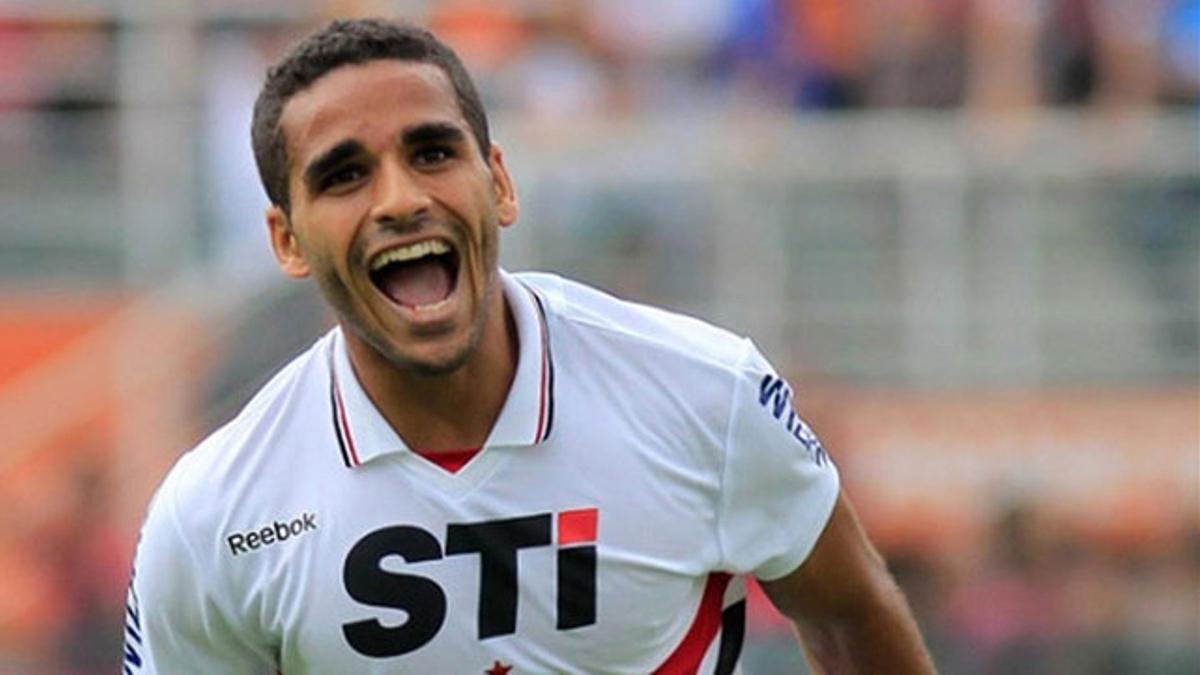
435, 367
442, 360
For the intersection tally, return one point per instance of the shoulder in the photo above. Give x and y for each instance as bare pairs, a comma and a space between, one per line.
632, 328
213, 478
680, 378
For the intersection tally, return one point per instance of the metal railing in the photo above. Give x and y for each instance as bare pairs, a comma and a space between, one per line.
878, 247
892, 247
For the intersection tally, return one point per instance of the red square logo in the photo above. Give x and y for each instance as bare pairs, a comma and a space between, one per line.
577, 526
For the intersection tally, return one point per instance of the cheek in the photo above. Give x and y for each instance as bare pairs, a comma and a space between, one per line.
486, 257
324, 271
476, 222
331, 237
491, 242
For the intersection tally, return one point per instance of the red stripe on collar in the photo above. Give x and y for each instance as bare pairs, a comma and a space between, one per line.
345, 425
546, 380
341, 422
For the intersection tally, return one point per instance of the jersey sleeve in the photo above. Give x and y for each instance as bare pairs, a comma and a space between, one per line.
778, 484
173, 624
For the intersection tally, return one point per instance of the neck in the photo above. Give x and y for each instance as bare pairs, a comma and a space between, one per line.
444, 412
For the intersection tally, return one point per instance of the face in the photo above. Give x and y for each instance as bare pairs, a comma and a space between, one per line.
395, 211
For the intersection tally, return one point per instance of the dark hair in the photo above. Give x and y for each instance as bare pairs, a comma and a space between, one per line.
343, 43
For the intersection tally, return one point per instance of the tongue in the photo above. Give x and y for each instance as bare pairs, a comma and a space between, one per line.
422, 282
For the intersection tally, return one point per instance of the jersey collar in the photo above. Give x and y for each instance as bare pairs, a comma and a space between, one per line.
363, 434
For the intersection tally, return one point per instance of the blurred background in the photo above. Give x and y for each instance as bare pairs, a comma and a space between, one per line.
968, 230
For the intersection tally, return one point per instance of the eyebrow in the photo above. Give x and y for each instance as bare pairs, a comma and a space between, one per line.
433, 132
330, 159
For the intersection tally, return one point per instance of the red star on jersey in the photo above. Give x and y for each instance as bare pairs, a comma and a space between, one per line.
498, 669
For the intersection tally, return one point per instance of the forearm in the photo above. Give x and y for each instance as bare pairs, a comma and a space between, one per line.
875, 639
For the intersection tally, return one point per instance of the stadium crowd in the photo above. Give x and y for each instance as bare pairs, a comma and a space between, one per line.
615, 56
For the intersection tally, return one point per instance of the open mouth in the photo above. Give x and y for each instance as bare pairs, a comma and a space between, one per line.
422, 275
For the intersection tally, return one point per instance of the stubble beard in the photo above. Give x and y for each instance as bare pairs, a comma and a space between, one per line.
341, 300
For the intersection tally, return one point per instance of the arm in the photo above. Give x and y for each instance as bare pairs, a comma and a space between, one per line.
851, 616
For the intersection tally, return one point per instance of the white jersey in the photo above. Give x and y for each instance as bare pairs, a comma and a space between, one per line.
642, 465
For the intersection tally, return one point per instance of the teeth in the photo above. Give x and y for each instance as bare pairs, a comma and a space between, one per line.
435, 306
410, 252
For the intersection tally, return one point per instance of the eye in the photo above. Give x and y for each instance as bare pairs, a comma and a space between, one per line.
343, 176
433, 155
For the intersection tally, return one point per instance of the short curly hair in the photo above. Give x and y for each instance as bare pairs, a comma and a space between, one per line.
343, 43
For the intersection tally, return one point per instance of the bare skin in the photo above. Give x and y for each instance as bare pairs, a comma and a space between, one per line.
851, 616
382, 157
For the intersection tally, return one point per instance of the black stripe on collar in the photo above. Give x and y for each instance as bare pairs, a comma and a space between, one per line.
545, 327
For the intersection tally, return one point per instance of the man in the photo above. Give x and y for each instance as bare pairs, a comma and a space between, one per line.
480, 471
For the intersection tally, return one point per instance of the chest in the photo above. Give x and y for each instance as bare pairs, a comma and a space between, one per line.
587, 552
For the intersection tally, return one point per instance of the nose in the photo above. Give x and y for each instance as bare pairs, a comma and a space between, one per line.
398, 197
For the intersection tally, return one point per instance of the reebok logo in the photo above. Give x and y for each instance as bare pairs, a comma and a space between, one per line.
276, 532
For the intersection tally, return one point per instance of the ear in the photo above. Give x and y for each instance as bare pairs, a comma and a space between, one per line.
506, 194
287, 249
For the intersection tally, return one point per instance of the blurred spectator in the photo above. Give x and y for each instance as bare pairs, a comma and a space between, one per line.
1008, 616
65, 71
1047, 600
916, 52
661, 53
1003, 37
77, 62
1180, 52
18, 77
89, 558
487, 35
1125, 53
559, 71
795, 53
65, 563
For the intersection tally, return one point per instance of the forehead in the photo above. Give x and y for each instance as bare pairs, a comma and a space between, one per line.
369, 102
